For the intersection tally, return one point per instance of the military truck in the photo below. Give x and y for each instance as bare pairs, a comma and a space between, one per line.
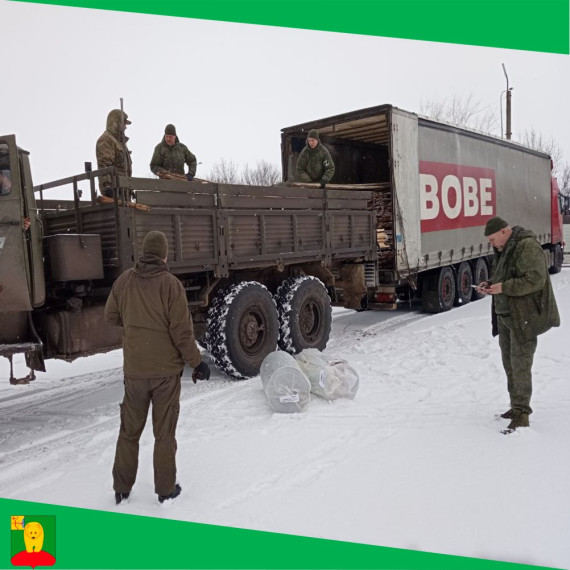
255, 261
260, 265
436, 187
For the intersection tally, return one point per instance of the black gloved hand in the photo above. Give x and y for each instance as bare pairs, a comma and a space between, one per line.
201, 372
332, 293
323, 183
189, 177
108, 192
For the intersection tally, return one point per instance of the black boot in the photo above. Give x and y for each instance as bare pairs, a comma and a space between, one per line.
120, 497
519, 421
173, 495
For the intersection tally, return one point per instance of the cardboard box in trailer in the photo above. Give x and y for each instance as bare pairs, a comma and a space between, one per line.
436, 185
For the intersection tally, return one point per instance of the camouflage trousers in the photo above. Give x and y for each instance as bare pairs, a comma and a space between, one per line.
164, 393
517, 362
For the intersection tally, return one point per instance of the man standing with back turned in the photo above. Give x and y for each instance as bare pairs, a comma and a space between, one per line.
150, 304
523, 307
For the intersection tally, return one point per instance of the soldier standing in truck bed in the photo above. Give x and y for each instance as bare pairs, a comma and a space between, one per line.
170, 156
112, 150
315, 163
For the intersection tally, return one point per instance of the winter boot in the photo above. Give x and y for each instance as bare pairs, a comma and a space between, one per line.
173, 495
518, 421
120, 497
508, 415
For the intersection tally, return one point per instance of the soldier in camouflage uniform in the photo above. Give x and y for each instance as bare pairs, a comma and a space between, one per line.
170, 155
523, 307
315, 163
111, 150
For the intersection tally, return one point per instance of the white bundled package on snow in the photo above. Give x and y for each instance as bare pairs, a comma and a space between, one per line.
287, 388
329, 379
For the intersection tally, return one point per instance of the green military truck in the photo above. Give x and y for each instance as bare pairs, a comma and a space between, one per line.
255, 261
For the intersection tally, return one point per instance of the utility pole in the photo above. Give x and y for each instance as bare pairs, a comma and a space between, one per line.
509, 90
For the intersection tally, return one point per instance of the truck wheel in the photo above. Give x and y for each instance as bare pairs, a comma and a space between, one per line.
438, 291
480, 274
242, 328
463, 282
558, 259
305, 314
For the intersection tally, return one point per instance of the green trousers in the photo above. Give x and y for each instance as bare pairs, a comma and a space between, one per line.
517, 362
164, 393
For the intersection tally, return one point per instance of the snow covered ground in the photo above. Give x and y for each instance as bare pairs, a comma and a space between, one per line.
416, 461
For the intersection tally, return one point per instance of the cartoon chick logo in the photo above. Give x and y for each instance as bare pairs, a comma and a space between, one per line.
28, 538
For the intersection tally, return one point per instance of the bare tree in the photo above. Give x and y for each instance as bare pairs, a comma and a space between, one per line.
535, 139
224, 172
227, 172
564, 180
264, 174
463, 111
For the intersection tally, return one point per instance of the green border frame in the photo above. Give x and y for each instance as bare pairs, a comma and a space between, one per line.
102, 539
531, 25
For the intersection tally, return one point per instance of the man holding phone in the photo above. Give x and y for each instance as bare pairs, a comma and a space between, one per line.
523, 307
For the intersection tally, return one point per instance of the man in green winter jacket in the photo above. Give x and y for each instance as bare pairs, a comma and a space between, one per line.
170, 156
111, 150
315, 163
151, 306
523, 307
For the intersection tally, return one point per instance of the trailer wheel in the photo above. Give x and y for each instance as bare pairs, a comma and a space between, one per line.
463, 282
305, 314
439, 291
242, 328
556, 266
480, 274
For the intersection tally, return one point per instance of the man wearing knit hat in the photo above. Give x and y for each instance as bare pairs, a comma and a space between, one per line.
170, 156
158, 338
315, 163
523, 307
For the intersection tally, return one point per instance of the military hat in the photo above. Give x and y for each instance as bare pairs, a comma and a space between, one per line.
170, 130
494, 225
155, 243
314, 134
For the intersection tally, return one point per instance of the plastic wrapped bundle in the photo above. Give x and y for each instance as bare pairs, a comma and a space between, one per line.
287, 388
329, 380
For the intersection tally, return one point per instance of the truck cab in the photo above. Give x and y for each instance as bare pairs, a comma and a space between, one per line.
22, 281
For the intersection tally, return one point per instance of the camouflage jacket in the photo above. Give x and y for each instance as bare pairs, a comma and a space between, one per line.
111, 150
527, 290
172, 158
315, 164
150, 304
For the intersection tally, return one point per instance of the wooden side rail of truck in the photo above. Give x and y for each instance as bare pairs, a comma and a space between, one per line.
255, 263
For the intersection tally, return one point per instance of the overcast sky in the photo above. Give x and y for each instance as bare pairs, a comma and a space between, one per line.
230, 88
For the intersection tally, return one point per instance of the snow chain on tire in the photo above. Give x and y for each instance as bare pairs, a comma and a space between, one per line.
223, 344
289, 340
